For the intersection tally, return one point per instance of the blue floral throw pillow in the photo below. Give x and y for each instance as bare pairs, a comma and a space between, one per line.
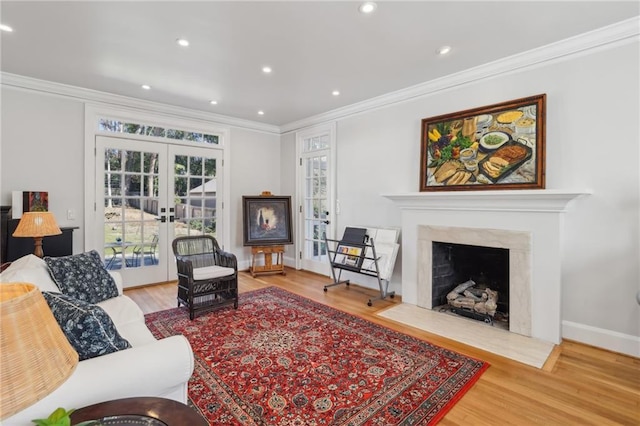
88, 327
82, 276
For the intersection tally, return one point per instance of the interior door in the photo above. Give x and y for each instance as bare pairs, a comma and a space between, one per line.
316, 208
146, 194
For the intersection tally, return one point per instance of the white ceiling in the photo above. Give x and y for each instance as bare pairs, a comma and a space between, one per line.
313, 47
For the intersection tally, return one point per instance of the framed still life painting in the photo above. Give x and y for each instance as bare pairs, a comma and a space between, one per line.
267, 220
499, 146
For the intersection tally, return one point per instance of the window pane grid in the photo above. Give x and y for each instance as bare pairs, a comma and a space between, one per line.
117, 126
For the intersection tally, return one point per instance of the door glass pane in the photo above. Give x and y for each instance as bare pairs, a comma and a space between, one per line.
131, 208
315, 187
195, 196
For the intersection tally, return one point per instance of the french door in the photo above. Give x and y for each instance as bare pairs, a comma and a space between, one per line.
317, 206
148, 193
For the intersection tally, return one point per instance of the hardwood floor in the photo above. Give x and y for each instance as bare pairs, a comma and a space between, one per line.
580, 385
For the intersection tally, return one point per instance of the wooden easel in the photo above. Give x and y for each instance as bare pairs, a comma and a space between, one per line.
270, 266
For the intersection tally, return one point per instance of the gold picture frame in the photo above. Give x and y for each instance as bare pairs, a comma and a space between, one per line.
500, 146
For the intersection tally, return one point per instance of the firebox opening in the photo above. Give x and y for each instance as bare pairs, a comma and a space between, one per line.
456, 265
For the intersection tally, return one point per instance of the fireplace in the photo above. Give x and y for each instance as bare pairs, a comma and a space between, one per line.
507, 254
461, 276
527, 223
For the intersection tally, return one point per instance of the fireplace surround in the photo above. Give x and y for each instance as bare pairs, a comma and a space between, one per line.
527, 222
517, 242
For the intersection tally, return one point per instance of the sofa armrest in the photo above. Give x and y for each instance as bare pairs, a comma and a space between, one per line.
118, 279
156, 369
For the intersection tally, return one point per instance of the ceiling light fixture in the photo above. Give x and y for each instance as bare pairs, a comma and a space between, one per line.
146, 87
260, 112
6, 28
266, 70
213, 102
443, 50
367, 7
335, 93
182, 42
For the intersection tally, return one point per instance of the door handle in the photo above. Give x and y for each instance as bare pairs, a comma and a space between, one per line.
326, 222
162, 218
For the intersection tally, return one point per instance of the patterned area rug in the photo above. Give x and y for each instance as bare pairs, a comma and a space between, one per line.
282, 359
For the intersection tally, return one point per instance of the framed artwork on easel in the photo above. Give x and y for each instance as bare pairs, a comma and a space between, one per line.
266, 220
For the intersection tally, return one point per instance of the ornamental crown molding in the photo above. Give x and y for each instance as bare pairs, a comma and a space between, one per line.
610, 36
535, 200
94, 96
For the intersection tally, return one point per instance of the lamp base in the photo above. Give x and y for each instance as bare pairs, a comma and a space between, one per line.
38, 247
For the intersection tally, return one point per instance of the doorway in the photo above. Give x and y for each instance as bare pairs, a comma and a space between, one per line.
147, 193
316, 180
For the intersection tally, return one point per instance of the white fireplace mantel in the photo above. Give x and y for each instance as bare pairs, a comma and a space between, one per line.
535, 200
537, 213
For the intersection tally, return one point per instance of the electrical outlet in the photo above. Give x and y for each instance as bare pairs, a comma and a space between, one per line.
71, 214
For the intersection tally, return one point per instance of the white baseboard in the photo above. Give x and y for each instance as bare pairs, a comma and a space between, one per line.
599, 337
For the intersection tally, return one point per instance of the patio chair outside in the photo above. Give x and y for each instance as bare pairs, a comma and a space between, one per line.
146, 250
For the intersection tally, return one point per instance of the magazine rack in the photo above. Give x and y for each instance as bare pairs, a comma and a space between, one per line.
351, 256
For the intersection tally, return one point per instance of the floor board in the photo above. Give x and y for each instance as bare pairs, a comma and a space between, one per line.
579, 384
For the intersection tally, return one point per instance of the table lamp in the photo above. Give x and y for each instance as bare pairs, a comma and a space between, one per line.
37, 225
35, 355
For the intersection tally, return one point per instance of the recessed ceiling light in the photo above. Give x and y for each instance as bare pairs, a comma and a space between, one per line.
367, 7
335, 93
182, 42
213, 102
260, 112
6, 28
443, 50
266, 70
146, 87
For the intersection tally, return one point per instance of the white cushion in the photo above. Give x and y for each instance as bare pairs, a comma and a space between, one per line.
208, 272
30, 269
122, 310
117, 278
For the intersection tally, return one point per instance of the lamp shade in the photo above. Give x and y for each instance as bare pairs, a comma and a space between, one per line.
35, 355
37, 224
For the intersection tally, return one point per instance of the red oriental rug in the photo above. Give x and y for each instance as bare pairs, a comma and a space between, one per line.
282, 359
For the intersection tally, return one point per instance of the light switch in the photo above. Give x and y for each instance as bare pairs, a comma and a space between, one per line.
71, 214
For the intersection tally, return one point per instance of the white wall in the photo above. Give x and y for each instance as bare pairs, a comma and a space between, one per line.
43, 149
288, 187
255, 167
42, 140
592, 143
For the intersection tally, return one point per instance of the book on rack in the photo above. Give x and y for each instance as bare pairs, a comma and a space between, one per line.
354, 235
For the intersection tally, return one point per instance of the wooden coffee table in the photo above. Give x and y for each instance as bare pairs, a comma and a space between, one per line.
171, 412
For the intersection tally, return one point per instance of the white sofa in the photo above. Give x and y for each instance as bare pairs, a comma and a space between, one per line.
151, 367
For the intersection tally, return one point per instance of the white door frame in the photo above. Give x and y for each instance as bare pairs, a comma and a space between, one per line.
95, 112
330, 129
